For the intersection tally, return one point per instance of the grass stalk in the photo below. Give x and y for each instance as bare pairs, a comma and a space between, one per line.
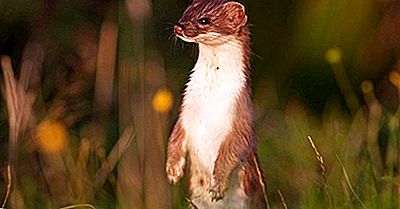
322, 167
9, 183
282, 198
342, 79
191, 203
262, 183
115, 155
85, 205
347, 179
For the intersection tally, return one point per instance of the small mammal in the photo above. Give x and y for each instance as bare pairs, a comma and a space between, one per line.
215, 123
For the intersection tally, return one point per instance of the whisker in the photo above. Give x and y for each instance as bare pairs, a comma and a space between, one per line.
168, 26
170, 36
194, 51
258, 56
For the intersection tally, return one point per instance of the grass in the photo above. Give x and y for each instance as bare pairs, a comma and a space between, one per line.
349, 169
343, 166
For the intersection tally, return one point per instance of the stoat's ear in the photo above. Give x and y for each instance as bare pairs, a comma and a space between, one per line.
235, 14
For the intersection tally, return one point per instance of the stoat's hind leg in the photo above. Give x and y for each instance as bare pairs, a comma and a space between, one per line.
232, 151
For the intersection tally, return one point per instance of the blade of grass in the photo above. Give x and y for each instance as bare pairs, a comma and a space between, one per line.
261, 181
116, 153
9, 183
347, 179
191, 203
284, 205
79, 206
322, 167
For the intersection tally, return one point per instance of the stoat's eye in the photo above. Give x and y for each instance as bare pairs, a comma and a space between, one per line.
204, 21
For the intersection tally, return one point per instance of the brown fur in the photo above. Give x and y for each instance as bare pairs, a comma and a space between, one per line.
226, 20
236, 163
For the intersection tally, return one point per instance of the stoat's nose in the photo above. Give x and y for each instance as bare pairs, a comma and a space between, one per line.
178, 30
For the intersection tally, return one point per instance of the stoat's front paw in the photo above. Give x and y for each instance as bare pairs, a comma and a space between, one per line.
174, 169
217, 189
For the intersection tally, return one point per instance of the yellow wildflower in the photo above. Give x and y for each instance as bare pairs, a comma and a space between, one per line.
394, 78
162, 100
333, 55
51, 136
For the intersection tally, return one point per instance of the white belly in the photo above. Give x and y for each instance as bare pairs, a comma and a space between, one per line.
209, 100
208, 112
207, 119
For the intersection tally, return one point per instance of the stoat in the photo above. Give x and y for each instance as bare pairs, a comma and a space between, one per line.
215, 124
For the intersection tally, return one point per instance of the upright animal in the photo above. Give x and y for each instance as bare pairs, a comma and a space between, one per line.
215, 125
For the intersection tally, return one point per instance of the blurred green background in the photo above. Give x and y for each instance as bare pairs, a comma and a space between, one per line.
91, 88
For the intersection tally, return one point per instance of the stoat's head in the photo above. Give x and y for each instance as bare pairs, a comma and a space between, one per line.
211, 22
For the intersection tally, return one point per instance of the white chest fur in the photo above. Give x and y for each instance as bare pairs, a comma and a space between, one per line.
209, 100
